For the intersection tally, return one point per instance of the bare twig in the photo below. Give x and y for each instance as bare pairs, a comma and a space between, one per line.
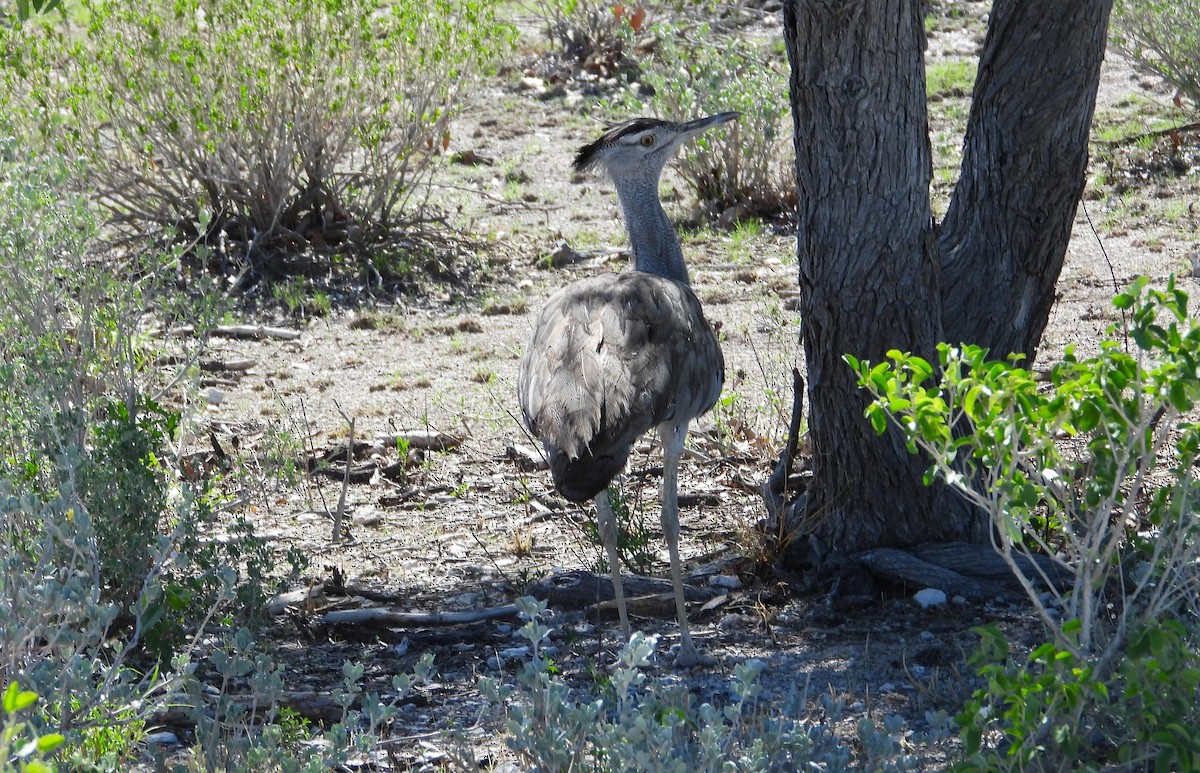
341, 508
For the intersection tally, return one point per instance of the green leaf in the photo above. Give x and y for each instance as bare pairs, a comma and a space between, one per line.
878, 419
1179, 397
50, 742
21, 700
1087, 417
970, 398
972, 738
921, 369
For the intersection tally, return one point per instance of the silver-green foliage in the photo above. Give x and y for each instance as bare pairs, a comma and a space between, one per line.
277, 117
635, 723
249, 730
1162, 36
106, 555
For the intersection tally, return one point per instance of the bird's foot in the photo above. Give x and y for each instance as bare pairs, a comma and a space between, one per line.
690, 657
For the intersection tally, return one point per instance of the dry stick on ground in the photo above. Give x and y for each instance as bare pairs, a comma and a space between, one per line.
341, 508
239, 331
207, 366
390, 617
426, 440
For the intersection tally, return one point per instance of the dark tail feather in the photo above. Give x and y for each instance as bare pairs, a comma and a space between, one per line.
580, 480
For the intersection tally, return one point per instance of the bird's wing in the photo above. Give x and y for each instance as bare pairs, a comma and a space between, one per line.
614, 355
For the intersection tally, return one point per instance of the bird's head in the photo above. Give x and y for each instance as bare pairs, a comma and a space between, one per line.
642, 145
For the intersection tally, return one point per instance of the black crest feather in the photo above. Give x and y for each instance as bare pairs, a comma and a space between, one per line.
589, 154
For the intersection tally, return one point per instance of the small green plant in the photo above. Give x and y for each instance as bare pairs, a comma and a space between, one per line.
949, 78
123, 487
108, 738
21, 748
1053, 711
742, 240
1036, 707
635, 534
291, 293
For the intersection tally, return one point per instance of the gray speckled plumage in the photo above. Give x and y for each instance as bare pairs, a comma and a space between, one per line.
614, 355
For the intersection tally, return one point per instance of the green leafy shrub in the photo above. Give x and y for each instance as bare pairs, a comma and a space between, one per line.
282, 134
124, 488
1053, 712
1162, 36
1096, 469
1037, 708
1096, 472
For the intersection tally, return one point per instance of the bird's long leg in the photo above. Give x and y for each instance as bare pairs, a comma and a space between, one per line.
606, 521
672, 437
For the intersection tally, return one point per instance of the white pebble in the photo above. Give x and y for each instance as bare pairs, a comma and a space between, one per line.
930, 597
725, 581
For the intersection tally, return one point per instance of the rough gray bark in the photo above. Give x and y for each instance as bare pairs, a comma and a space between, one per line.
868, 261
1024, 158
874, 272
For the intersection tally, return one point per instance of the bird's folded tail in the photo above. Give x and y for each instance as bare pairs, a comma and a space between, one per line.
582, 478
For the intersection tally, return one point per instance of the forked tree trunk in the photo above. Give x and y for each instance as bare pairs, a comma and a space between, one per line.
1024, 159
874, 272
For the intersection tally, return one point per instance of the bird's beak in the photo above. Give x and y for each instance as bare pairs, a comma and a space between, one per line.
692, 128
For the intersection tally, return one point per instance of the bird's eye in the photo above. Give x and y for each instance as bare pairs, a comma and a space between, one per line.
647, 141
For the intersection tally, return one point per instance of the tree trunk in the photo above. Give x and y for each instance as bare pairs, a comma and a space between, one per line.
1024, 158
874, 273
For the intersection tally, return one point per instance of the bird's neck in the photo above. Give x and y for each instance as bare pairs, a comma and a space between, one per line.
651, 236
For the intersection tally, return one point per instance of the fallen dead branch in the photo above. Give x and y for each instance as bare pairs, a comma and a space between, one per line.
425, 440
390, 617
238, 331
